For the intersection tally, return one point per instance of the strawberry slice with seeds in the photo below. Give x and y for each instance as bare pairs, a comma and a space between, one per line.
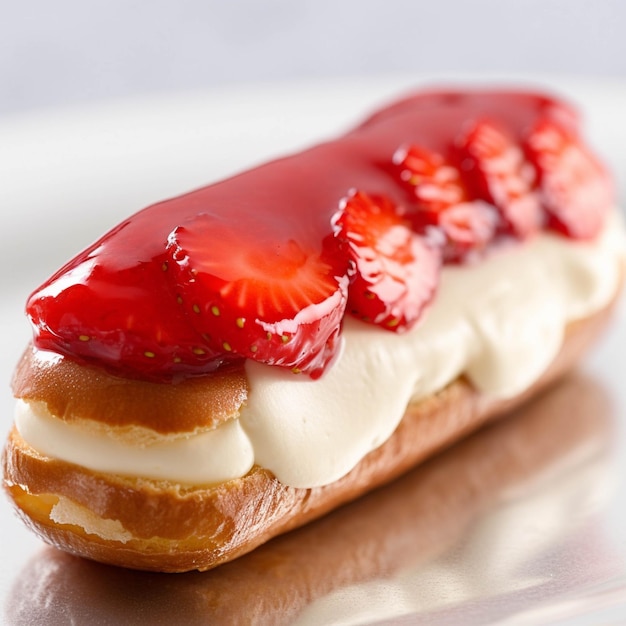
252, 294
435, 183
396, 270
125, 320
497, 172
575, 189
465, 227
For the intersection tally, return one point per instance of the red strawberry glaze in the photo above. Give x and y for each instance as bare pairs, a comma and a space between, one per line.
129, 302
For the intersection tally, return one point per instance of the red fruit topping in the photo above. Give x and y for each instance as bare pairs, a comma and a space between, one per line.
262, 265
442, 201
396, 270
435, 183
122, 320
468, 228
497, 172
575, 189
252, 294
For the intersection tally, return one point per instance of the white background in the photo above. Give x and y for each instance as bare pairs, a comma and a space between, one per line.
68, 52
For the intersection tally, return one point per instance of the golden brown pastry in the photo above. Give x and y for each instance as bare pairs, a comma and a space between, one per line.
376, 540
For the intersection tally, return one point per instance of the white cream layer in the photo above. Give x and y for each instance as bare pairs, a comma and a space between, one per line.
499, 322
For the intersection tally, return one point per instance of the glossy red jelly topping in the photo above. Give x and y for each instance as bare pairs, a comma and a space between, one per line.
265, 265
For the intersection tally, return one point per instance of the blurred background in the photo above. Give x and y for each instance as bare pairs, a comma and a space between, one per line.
68, 52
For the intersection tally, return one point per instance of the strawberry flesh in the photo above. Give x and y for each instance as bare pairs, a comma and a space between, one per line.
434, 183
395, 270
574, 187
254, 295
497, 172
441, 201
127, 319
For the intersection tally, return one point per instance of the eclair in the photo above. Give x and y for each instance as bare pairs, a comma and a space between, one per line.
229, 364
554, 449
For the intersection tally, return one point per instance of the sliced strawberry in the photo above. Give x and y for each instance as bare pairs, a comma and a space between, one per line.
252, 294
125, 320
468, 227
435, 183
575, 188
497, 172
442, 201
396, 270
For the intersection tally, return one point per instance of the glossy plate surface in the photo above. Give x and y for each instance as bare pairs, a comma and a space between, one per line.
524, 523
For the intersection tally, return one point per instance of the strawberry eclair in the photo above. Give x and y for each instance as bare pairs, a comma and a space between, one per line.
227, 365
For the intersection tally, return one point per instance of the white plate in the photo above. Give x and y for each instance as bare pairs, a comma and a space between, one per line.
66, 176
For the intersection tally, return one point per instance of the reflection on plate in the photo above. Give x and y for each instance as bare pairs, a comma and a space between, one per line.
391, 552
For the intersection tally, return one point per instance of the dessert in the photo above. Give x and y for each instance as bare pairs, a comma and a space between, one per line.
554, 449
232, 363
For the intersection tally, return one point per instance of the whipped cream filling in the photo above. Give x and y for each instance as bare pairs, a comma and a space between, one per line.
499, 322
